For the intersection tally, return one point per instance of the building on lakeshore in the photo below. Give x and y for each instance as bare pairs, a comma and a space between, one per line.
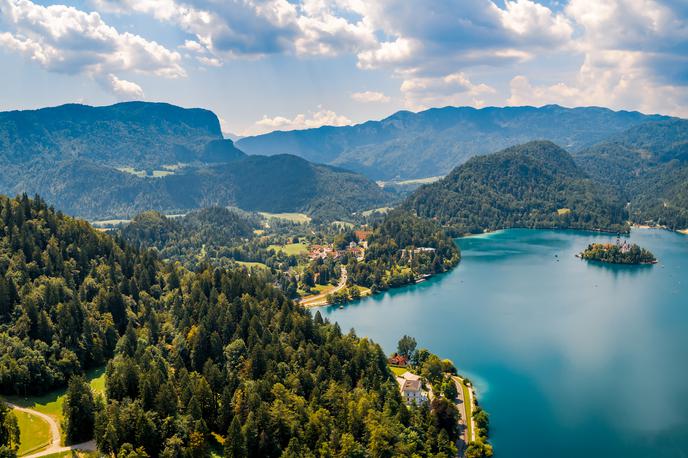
411, 388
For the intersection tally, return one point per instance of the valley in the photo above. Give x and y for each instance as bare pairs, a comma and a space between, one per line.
201, 280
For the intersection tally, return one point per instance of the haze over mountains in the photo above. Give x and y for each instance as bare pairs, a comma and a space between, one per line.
118, 160
431, 143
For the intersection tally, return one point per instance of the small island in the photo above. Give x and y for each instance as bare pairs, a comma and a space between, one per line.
620, 252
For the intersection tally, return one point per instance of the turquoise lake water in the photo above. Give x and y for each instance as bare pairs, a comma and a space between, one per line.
571, 359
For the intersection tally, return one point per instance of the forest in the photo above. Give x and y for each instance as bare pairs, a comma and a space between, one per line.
401, 249
535, 185
194, 359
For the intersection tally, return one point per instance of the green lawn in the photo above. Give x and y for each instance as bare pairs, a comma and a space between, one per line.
73, 454
300, 218
397, 370
291, 249
51, 403
250, 265
35, 433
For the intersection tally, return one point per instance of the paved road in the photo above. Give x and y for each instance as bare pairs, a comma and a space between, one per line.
321, 299
461, 404
55, 439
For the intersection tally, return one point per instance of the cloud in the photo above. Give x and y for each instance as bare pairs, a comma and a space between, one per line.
250, 28
124, 90
454, 89
64, 39
635, 55
370, 97
322, 117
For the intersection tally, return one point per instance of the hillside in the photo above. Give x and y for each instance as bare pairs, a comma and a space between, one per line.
648, 166
116, 161
210, 231
430, 143
191, 357
535, 185
137, 134
273, 184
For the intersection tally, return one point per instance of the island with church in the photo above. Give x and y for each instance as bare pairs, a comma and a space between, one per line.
620, 252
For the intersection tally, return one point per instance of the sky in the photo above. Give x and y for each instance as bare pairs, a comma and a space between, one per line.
264, 65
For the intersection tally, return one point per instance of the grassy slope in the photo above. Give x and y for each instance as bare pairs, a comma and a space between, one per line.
300, 218
51, 404
290, 249
35, 432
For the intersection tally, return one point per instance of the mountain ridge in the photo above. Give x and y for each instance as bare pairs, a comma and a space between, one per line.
408, 145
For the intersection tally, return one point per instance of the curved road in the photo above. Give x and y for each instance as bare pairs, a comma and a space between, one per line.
321, 299
55, 438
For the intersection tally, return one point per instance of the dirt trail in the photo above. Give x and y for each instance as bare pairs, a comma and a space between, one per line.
55, 438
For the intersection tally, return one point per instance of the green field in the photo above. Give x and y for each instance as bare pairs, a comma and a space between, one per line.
397, 370
291, 249
73, 454
51, 403
300, 218
382, 210
251, 265
35, 433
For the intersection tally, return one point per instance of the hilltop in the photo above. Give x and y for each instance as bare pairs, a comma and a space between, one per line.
535, 185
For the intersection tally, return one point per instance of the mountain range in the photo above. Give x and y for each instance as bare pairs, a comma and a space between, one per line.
410, 145
115, 161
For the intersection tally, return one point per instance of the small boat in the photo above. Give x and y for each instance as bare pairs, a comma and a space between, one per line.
341, 307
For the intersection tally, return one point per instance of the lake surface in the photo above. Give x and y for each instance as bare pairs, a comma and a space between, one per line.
571, 359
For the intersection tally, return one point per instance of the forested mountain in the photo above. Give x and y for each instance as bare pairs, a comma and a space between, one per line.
273, 184
104, 162
433, 142
192, 356
136, 134
648, 166
537, 184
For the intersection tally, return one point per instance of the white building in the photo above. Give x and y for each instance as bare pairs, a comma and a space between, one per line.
411, 388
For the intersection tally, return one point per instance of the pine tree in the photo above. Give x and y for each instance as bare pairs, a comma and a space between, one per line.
79, 410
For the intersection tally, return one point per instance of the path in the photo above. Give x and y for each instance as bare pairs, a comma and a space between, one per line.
321, 299
461, 404
54, 446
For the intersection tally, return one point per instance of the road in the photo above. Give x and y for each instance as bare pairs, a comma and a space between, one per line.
321, 299
461, 405
55, 438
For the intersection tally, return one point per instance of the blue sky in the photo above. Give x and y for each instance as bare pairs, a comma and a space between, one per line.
263, 65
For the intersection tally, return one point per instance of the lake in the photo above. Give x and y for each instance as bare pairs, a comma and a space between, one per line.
570, 358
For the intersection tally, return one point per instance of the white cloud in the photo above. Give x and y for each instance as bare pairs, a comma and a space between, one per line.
370, 97
453, 89
67, 40
124, 90
635, 56
322, 117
